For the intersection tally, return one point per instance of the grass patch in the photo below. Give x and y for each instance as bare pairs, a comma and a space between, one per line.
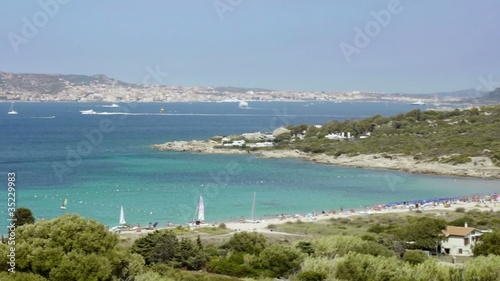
212, 230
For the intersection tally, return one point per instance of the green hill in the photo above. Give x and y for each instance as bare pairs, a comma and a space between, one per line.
445, 136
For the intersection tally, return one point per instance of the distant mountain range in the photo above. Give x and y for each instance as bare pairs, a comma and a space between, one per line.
72, 87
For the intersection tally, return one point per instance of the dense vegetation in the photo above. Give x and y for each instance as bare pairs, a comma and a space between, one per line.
446, 136
378, 247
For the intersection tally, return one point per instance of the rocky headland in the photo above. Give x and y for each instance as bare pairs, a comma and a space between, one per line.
479, 167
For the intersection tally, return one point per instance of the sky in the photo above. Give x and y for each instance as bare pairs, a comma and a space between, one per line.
323, 45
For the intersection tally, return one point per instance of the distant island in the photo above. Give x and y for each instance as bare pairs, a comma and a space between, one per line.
457, 143
35, 87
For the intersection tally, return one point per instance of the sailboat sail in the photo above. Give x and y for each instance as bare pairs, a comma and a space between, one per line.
253, 206
201, 210
64, 204
11, 109
253, 220
122, 217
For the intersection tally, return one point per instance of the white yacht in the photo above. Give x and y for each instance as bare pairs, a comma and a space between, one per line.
243, 104
418, 103
90, 111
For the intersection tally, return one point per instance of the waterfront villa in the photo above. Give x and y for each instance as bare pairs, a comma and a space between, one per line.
460, 240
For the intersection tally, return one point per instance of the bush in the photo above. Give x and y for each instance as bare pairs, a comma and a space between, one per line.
157, 247
245, 242
376, 228
415, 257
489, 244
460, 210
280, 261
233, 265
483, 268
311, 276
368, 268
71, 248
322, 265
338, 245
23, 216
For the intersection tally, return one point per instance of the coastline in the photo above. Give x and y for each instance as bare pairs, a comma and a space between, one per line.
479, 167
270, 225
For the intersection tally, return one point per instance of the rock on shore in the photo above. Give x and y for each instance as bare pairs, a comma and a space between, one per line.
480, 167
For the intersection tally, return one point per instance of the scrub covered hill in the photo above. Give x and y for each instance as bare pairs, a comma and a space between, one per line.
438, 136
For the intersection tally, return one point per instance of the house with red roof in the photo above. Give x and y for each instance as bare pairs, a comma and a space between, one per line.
460, 240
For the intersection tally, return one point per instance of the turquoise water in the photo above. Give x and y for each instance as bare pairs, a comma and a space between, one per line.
153, 186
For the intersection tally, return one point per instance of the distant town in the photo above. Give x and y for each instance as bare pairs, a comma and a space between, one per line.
100, 88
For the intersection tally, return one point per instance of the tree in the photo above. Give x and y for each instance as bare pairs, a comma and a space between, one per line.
191, 256
72, 248
489, 244
422, 233
23, 216
157, 247
245, 242
280, 261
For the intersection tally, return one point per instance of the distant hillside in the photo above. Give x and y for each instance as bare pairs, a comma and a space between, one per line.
52, 83
492, 96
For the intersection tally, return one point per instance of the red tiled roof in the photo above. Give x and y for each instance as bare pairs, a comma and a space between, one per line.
457, 231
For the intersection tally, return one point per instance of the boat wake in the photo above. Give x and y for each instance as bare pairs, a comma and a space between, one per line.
43, 117
186, 114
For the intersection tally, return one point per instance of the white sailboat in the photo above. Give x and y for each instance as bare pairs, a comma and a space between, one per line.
64, 204
122, 216
200, 212
11, 109
252, 219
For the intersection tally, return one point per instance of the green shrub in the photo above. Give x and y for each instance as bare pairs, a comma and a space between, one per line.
233, 265
246, 242
483, 268
368, 268
376, 228
280, 261
311, 276
415, 257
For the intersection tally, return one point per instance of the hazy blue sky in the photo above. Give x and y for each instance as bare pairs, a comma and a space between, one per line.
425, 46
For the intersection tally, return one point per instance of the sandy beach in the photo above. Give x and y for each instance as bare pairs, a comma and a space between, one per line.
263, 225
479, 167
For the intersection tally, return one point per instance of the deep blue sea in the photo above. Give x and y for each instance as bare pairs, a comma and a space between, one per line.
101, 162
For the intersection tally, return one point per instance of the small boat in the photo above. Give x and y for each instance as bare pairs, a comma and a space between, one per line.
418, 103
243, 104
64, 204
111, 105
162, 110
11, 109
90, 111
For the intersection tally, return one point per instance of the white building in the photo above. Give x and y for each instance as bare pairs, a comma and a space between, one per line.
235, 143
460, 240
